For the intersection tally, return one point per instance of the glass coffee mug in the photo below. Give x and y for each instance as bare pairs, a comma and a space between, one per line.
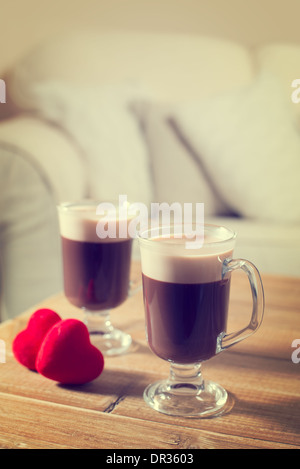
96, 272
186, 298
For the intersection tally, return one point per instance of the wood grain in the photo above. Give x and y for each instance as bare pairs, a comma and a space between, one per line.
259, 375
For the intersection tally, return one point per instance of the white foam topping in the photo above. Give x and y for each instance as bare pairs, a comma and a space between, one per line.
168, 261
83, 224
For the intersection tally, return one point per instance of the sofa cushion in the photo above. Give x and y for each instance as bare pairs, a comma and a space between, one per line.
64, 80
100, 123
274, 248
177, 175
250, 147
171, 66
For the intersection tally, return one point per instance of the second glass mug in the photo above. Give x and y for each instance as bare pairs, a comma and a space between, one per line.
186, 299
96, 271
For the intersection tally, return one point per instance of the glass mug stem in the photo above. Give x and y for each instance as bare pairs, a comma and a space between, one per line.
104, 335
98, 323
224, 340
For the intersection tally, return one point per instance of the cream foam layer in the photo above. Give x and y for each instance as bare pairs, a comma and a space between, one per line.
179, 265
82, 225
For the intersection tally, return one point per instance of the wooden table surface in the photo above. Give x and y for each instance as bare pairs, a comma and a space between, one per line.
259, 374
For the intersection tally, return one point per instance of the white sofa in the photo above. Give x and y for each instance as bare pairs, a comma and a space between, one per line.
159, 117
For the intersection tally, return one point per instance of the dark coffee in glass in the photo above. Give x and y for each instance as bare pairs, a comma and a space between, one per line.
194, 314
186, 302
96, 271
96, 275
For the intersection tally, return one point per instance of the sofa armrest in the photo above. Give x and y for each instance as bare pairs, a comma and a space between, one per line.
39, 168
53, 154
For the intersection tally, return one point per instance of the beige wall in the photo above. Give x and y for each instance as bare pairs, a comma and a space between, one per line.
26, 22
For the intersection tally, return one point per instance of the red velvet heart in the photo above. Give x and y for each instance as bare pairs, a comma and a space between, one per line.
26, 344
67, 355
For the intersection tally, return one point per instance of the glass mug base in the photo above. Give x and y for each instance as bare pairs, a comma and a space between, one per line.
186, 394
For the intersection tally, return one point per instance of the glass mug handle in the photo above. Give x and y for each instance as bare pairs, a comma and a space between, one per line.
227, 340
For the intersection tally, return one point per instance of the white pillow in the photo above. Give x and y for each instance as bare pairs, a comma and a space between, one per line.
177, 175
249, 144
100, 121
